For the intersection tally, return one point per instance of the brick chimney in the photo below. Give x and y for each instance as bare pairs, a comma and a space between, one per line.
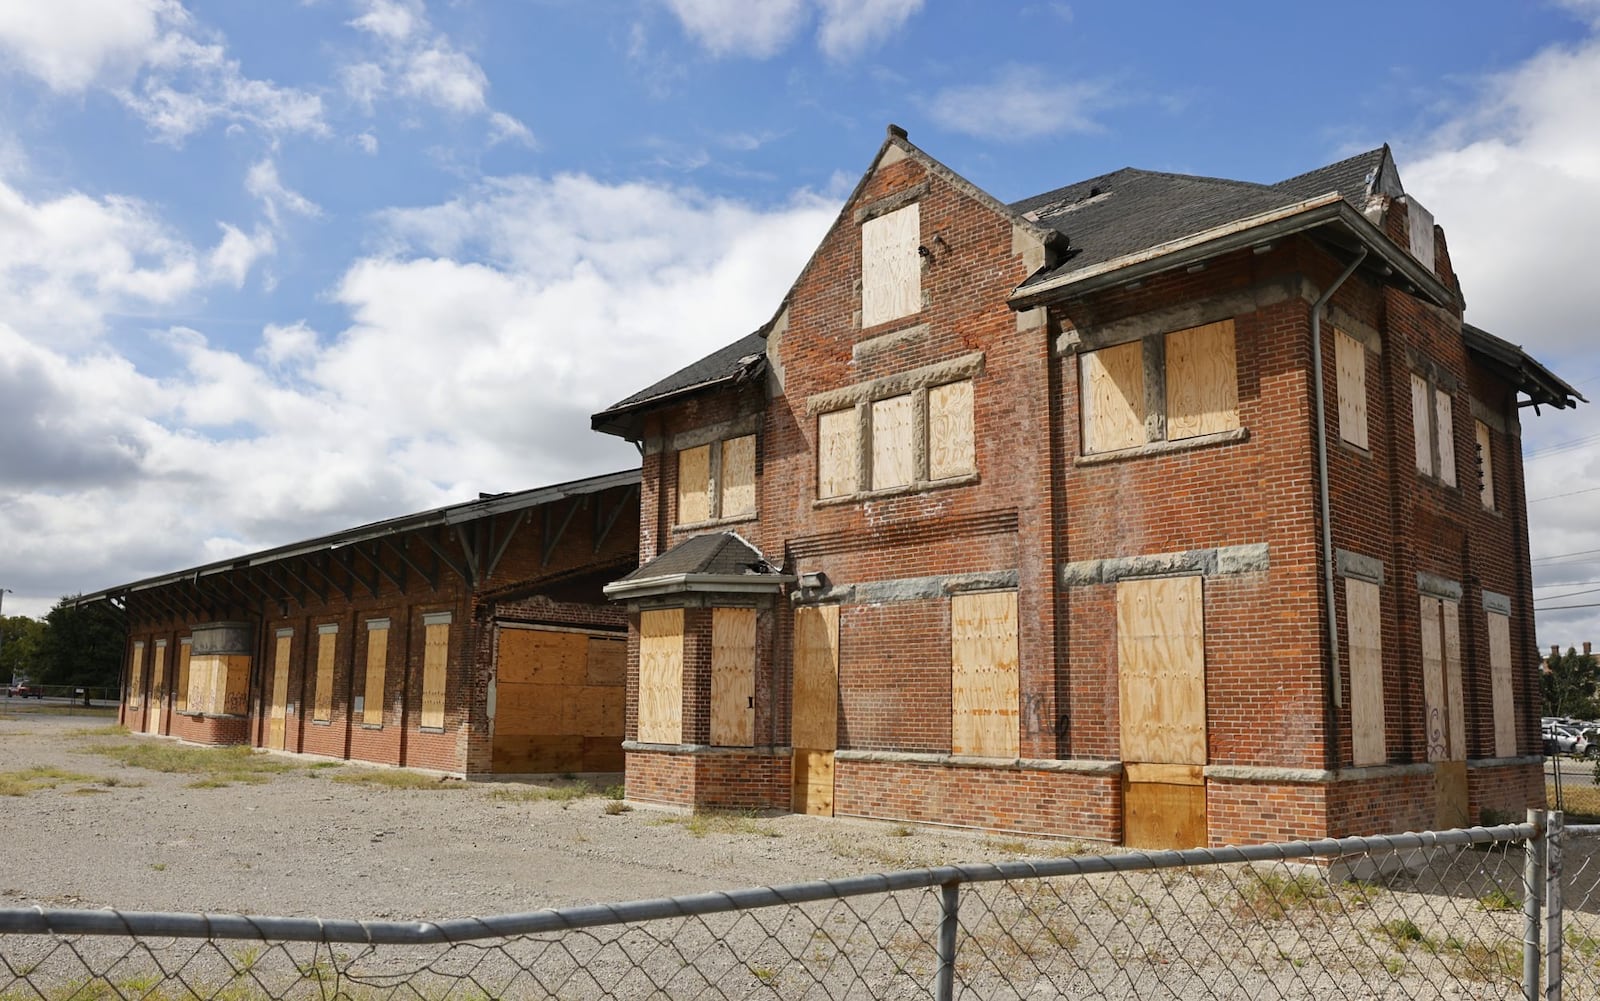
1555, 651
1586, 648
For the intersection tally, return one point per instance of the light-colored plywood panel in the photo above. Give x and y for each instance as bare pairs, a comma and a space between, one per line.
1450, 795
1364, 611
1351, 362
377, 664
1162, 815
326, 644
280, 692
1450, 619
733, 676
1485, 464
1445, 429
1168, 774
180, 689
136, 677
1421, 422
542, 657
1111, 395
607, 661
661, 676
526, 708
983, 675
1437, 713
1202, 381
813, 783
893, 456
1161, 670
1505, 714
236, 685
838, 453
951, 435
739, 476
891, 272
694, 485
815, 704
435, 671
158, 684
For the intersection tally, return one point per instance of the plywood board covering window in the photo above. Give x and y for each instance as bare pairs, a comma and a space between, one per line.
816, 678
180, 690
1445, 431
891, 271
1112, 397
838, 453
377, 662
1500, 689
1364, 611
1485, 465
738, 478
733, 676
1350, 357
1442, 696
983, 675
1421, 423
158, 673
136, 677
1202, 381
893, 459
694, 485
1161, 670
327, 644
435, 668
661, 676
951, 438
277, 712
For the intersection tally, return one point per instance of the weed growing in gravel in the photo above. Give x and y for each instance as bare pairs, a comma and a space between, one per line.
387, 778
1581, 803
26, 780
218, 766
617, 792
1498, 900
721, 822
615, 807
1403, 932
114, 730
536, 794
1267, 896
1586, 944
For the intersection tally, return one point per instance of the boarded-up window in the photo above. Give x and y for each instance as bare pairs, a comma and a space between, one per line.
838, 453
1111, 394
377, 661
278, 709
983, 675
733, 678
816, 678
327, 646
136, 677
1422, 423
694, 485
1419, 222
1485, 464
1441, 679
661, 676
1505, 713
951, 439
891, 272
1365, 641
180, 690
738, 477
1445, 431
1202, 381
1351, 361
1161, 670
435, 667
158, 674
893, 458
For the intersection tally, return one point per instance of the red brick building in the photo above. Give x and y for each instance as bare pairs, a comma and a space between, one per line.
472, 639
1156, 509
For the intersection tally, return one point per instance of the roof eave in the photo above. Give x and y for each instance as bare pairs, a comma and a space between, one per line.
624, 421
681, 583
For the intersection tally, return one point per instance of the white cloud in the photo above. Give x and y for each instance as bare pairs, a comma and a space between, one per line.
232, 258
69, 44
850, 27
281, 345
1021, 102
263, 183
754, 28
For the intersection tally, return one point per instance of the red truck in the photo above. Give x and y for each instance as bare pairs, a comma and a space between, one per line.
24, 691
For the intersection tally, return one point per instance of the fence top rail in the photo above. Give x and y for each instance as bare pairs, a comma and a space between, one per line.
42, 921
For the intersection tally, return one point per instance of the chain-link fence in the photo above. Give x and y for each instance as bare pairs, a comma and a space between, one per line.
1448, 914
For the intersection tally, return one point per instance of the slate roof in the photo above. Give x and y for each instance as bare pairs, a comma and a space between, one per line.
742, 360
725, 554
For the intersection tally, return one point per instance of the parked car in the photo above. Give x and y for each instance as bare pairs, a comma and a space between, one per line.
1562, 738
24, 692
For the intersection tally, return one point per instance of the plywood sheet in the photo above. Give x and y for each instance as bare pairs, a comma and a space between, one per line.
1485, 465
158, 684
661, 676
816, 678
1450, 619
136, 677
893, 454
538, 754
1421, 423
542, 657
525, 709
280, 692
1163, 815
733, 677
235, 672
1450, 795
327, 644
606, 661
1364, 612
1436, 712
838, 453
377, 668
202, 671
951, 438
1500, 688
1350, 357
983, 675
1161, 670
1445, 429
813, 783
435, 669
1111, 395
1202, 381
891, 272
694, 485
739, 476
180, 689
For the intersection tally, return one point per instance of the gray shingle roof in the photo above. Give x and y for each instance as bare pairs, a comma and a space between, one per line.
744, 359
718, 554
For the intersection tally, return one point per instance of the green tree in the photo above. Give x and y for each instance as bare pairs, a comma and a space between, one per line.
20, 637
1570, 684
82, 646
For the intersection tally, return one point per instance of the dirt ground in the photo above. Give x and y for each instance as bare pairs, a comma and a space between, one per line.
304, 843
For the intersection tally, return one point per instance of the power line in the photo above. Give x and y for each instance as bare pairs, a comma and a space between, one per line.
1562, 608
1570, 493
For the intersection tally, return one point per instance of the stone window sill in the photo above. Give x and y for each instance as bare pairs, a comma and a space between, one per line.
1228, 437
920, 486
695, 526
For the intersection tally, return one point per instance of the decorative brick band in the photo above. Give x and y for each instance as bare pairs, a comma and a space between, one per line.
703, 750
1206, 562
1076, 766
966, 366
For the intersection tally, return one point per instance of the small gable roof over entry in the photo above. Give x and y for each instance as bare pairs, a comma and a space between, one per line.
720, 562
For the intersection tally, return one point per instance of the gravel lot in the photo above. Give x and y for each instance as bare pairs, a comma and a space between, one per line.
303, 844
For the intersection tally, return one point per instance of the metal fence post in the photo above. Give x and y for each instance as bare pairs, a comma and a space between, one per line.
1555, 836
944, 984
1533, 891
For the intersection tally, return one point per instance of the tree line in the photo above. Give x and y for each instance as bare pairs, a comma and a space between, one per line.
73, 646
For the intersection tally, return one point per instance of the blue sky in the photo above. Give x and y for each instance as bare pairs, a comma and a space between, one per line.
271, 269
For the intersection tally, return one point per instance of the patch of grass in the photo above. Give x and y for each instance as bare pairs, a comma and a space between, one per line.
901, 831
396, 778
1498, 900
317, 766
538, 794
1403, 932
159, 866
1486, 963
615, 807
722, 822
25, 780
1581, 803
1587, 945
88, 791
114, 730
57, 709
1268, 896
617, 792
217, 766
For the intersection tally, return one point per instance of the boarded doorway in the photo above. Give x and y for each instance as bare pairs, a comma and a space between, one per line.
815, 729
1443, 703
558, 700
158, 689
277, 711
1162, 689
